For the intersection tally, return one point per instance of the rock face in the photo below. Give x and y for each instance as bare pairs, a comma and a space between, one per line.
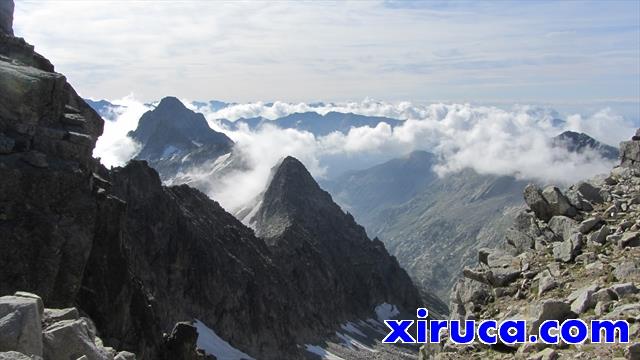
138, 257
6, 17
582, 264
174, 138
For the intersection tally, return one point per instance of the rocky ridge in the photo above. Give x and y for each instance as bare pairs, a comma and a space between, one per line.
571, 254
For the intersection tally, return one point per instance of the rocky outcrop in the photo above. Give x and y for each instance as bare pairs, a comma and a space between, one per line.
28, 330
579, 264
6, 17
630, 152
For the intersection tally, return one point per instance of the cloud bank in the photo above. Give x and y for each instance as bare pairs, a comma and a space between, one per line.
488, 139
114, 147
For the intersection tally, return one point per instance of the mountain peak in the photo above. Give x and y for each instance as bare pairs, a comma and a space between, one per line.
579, 142
292, 196
171, 102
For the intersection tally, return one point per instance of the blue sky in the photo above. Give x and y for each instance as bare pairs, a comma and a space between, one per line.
571, 52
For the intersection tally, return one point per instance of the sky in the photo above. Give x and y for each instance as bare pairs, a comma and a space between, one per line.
569, 52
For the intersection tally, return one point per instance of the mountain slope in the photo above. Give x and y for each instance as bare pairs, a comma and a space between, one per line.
174, 138
432, 225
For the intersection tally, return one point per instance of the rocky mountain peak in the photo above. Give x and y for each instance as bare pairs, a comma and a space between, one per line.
6, 17
173, 138
293, 196
579, 142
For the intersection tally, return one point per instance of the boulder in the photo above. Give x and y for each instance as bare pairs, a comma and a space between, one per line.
630, 154
632, 352
546, 282
552, 309
622, 290
20, 328
563, 226
37, 298
545, 354
537, 203
629, 239
71, 339
590, 192
577, 201
604, 295
582, 299
567, 250
599, 236
590, 223
558, 202
626, 270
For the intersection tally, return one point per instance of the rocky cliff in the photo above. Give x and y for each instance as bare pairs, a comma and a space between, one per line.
571, 254
138, 257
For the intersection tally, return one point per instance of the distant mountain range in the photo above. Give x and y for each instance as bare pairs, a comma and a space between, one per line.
315, 123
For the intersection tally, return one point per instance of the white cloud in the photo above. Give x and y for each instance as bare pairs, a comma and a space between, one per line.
114, 148
488, 139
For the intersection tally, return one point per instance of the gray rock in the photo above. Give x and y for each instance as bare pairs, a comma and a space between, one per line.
29, 295
125, 355
551, 309
626, 270
590, 223
558, 203
590, 192
536, 202
604, 295
71, 339
625, 311
599, 236
14, 355
20, 328
629, 239
583, 299
576, 200
632, 352
55, 315
567, 250
603, 307
630, 154
546, 282
622, 290
563, 226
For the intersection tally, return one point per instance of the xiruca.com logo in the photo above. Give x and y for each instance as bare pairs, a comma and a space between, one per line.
570, 331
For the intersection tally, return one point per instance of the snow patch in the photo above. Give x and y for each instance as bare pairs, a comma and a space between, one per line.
386, 311
324, 354
214, 345
352, 343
